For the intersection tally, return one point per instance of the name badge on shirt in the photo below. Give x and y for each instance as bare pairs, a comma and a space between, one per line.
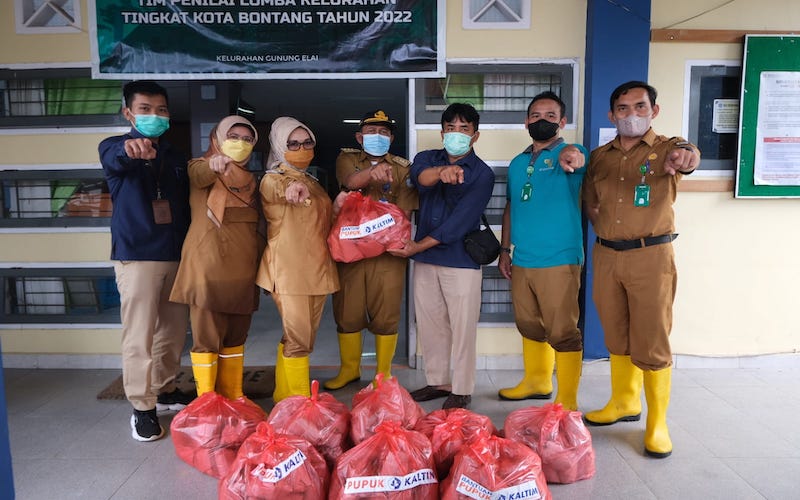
161, 212
641, 197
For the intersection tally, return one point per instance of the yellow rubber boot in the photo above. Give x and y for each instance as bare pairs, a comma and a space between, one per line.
350, 356
281, 385
204, 369
231, 371
537, 382
625, 404
385, 346
568, 376
297, 372
657, 384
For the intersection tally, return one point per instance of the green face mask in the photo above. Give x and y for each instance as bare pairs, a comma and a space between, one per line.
456, 143
151, 125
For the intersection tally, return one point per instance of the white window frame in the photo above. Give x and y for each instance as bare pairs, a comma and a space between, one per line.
469, 17
28, 16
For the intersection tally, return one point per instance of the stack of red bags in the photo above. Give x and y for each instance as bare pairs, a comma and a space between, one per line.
365, 228
383, 400
495, 467
209, 431
320, 419
450, 430
560, 438
394, 463
273, 465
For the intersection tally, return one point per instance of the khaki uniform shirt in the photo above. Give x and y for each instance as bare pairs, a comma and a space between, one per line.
400, 192
296, 260
611, 180
218, 264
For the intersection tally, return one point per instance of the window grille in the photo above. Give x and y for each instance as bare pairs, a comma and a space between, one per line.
47, 16
497, 14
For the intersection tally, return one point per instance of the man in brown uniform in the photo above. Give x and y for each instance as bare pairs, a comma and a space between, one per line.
371, 289
628, 192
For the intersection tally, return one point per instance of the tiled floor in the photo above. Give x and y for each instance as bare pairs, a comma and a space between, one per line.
735, 433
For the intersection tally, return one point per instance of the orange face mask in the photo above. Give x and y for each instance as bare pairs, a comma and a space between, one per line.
300, 158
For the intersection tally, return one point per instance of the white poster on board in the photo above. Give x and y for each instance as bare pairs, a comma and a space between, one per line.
777, 157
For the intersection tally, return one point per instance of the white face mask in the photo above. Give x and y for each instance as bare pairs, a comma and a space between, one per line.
633, 126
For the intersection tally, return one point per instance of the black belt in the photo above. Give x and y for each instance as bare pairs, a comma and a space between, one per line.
622, 245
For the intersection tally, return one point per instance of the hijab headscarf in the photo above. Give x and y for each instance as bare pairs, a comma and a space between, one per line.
279, 134
236, 188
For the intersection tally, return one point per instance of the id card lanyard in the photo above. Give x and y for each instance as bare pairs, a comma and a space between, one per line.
527, 188
641, 195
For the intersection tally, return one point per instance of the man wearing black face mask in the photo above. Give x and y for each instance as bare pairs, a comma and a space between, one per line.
542, 219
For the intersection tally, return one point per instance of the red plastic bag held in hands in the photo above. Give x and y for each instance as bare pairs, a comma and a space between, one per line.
394, 463
385, 399
560, 438
209, 431
495, 467
321, 420
272, 465
365, 228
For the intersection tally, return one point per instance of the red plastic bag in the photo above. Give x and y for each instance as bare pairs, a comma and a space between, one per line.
393, 463
209, 431
495, 467
274, 465
560, 438
321, 420
385, 399
365, 228
453, 429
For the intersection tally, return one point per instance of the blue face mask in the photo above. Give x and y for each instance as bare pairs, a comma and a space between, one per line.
375, 144
456, 143
151, 125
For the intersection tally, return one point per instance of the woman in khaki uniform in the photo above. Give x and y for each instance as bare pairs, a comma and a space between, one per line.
218, 266
296, 267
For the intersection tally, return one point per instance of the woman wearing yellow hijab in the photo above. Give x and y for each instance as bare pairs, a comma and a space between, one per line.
220, 256
296, 267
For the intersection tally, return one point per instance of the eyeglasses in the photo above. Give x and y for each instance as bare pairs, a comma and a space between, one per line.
245, 138
295, 145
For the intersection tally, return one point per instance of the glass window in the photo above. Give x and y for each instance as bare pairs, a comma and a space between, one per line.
495, 297
59, 296
47, 16
497, 14
713, 113
58, 98
501, 93
54, 198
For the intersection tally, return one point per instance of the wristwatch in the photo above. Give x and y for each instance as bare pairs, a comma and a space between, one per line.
505, 249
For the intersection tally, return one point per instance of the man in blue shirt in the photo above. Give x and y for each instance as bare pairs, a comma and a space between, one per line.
454, 188
542, 220
150, 194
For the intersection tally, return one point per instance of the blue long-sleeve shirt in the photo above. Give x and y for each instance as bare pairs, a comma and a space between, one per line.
133, 186
447, 212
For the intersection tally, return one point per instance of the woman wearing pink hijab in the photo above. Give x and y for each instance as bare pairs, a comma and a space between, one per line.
220, 256
296, 267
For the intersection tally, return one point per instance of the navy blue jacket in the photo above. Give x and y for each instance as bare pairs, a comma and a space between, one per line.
447, 212
133, 186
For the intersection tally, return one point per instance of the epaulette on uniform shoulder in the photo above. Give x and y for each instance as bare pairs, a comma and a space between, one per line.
401, 161
350, 150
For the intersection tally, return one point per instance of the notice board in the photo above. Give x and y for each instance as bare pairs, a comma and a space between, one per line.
768, 163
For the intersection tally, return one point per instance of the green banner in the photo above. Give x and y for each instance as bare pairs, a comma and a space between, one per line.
178, 39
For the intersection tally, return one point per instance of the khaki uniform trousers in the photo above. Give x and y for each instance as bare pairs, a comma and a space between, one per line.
371, 295
634, 291
546, 306
153, 329
211, 331
301, 315
447, 301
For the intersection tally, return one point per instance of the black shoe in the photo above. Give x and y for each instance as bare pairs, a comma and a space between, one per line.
145, 426
456, 401
428, 392
174, 401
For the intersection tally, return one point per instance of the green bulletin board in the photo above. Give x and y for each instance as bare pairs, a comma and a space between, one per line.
762, 53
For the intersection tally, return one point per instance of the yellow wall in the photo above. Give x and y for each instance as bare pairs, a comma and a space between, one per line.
45, 49
55, 148
59, 247
737, 276
47, 341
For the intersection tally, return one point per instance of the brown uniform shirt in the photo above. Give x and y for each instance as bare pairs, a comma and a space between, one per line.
296, 260
400, 192
611, 180
218, 265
